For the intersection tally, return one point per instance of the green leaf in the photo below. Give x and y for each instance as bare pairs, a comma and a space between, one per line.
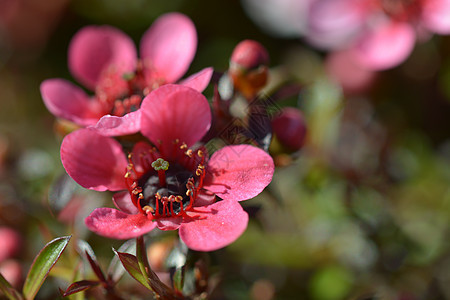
42, 265
130, 263
8, 290
115, 269
178, 280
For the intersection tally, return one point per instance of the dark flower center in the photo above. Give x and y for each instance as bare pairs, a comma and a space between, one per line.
176, 179
161, 188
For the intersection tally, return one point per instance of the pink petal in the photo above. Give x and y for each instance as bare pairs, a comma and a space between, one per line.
239, 172
388, 45
94, 161
436, 16
116, 126
169, 223
204, 198
93, 49
169, 45
67, 101
115, 224
354, 79
216, 226
334, 24
122, 200
175, 112
198, 81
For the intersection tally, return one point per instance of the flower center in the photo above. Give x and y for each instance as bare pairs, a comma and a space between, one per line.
402, 10
120, 94
161, 189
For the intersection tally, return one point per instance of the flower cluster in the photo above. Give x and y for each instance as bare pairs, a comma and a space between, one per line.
378, 34
168, 181
163, 175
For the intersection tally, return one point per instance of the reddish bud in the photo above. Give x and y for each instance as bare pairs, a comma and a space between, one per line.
248, 55
248, 67
10, 243
289, 127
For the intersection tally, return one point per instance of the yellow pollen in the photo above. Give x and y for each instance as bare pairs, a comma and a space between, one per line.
200, 153
148, 209
183, 146
188, 152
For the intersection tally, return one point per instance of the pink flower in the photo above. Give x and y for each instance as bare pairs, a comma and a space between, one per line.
169, 182
379, 34
11, 243
104, 60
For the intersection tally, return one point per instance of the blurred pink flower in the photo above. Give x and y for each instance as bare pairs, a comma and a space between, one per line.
104, 60
379, 34
351, 76
11, 242
11, 270
169, 184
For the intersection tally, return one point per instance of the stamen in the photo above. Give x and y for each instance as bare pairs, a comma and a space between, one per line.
157, 198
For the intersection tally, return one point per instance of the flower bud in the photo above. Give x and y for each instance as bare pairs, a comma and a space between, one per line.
248, 67
289, 128
10, 243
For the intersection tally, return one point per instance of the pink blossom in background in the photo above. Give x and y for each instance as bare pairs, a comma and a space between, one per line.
11, 243
105, 61
284, 18
351, 77
169, 182
11, 270
378, 34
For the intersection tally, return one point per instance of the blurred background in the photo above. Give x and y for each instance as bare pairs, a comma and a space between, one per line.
361, 211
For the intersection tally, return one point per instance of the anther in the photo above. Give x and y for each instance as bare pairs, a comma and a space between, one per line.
148, 209
188, 152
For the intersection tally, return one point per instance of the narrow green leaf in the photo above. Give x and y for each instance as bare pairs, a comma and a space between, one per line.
156, 285
178, 280
42, 265
115, 269
8, 290
130, 263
